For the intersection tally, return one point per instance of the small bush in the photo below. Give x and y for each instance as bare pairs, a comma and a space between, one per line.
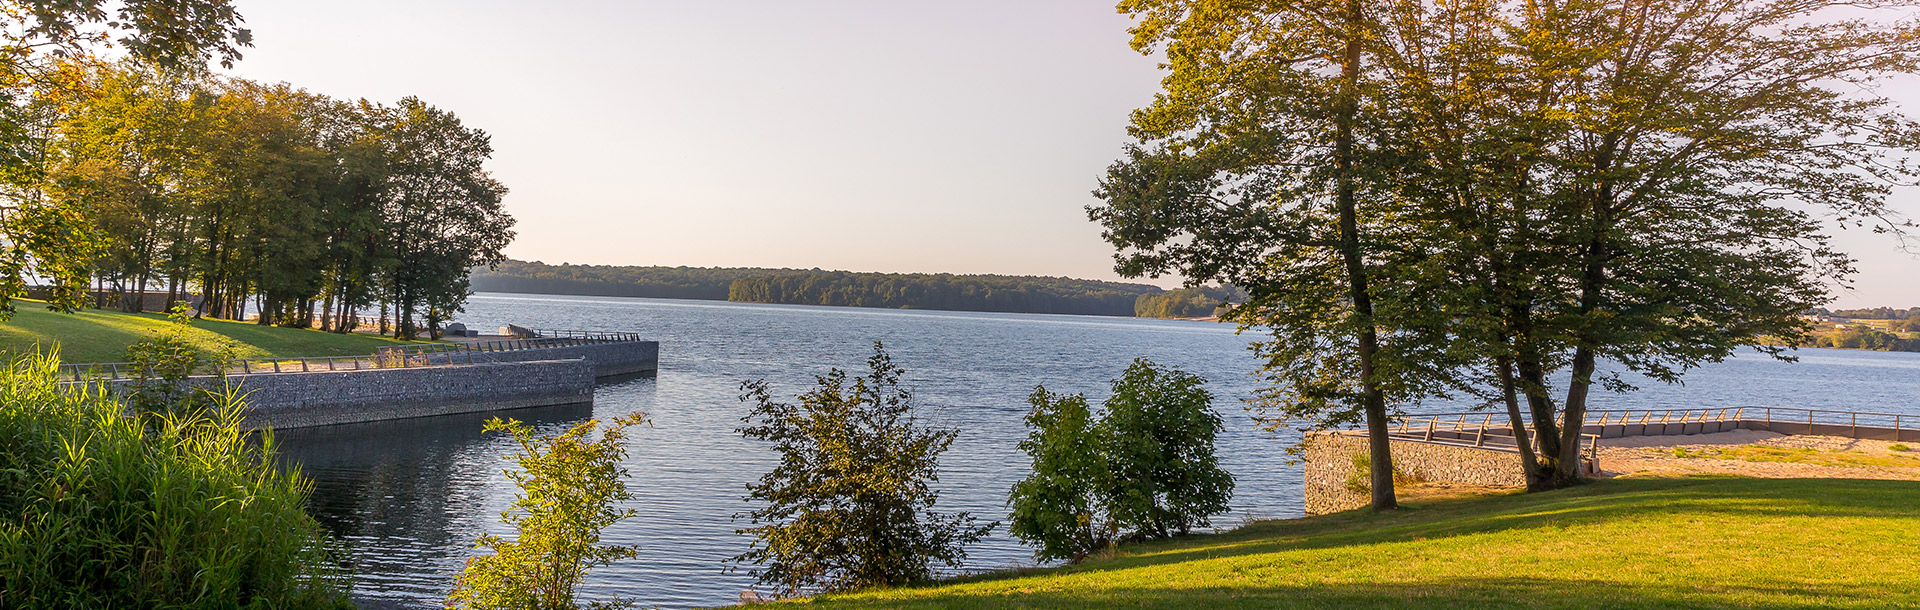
1144, 468
172, 509
1059, 508
1899, 447
1161, 426
570, 487
1360, 479
850, 504
163, 362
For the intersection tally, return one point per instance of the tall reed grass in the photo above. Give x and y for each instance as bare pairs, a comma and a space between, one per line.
104, 508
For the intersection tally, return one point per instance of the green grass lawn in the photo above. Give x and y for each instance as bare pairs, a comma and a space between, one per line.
102, 336
1622, 543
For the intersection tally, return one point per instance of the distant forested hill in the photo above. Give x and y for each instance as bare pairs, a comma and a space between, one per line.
1000, 293
1187, 302
708, 283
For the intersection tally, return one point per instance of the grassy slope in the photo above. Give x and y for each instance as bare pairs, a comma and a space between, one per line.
100, 336
1624, 543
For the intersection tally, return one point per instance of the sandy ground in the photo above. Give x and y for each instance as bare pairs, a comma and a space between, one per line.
1655, 455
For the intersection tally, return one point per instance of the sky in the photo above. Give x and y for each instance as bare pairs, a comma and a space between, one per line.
893, 136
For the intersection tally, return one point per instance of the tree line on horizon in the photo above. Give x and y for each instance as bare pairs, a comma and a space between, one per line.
259, 198
936, 291
1871, 313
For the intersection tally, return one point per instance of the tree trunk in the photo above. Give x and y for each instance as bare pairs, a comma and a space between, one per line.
1373, 399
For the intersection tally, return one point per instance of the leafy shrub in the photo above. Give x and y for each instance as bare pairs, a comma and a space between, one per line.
570, 485
162, 363
1143, 469
1160, 425
1899, 447
850, 504
1360, 479
1058, 508
173, 509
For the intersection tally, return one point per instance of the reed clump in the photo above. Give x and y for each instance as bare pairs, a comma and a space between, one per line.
104, 507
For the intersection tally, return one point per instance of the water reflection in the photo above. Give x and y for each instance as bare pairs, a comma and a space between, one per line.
404, 496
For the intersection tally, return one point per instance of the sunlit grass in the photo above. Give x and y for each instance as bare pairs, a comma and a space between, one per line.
100, 336
1624, 543
1801, 455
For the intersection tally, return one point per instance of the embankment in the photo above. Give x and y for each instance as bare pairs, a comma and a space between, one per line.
435, 384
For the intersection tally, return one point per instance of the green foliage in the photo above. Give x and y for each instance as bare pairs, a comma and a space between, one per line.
1143, 468
1863, 337
50, 239
245, 193
163, 361
571, 485
1199, 302
1060, 507
1166, 478
173, 509
441, 209
1003, 293
1360, 479
851, 502
1540, 188
1876, 313
1899, 447
707, 283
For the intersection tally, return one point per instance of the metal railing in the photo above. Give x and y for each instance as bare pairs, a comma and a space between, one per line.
558, 338
110, 371
1457, 428
1851, 424
1612, 423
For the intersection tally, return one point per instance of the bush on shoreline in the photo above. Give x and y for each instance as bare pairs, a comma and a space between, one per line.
851, 503
1143, 469
570, 487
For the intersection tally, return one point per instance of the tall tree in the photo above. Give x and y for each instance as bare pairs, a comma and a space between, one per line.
53, 239
442, 209
1687, 151
1253, 169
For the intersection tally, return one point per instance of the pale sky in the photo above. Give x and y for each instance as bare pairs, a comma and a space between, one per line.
890, 135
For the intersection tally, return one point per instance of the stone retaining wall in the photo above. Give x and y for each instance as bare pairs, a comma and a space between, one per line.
295, 400
1329, 467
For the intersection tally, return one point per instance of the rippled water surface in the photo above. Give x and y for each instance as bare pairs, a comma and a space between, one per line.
406, 498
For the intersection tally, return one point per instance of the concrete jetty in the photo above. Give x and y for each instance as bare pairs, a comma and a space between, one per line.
421, 380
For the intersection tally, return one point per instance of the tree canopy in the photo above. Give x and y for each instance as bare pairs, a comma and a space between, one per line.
265, 198
1428, 198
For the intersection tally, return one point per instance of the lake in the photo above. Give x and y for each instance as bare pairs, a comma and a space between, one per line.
407, 498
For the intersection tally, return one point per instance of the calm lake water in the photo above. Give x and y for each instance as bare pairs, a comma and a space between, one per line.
407, 498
